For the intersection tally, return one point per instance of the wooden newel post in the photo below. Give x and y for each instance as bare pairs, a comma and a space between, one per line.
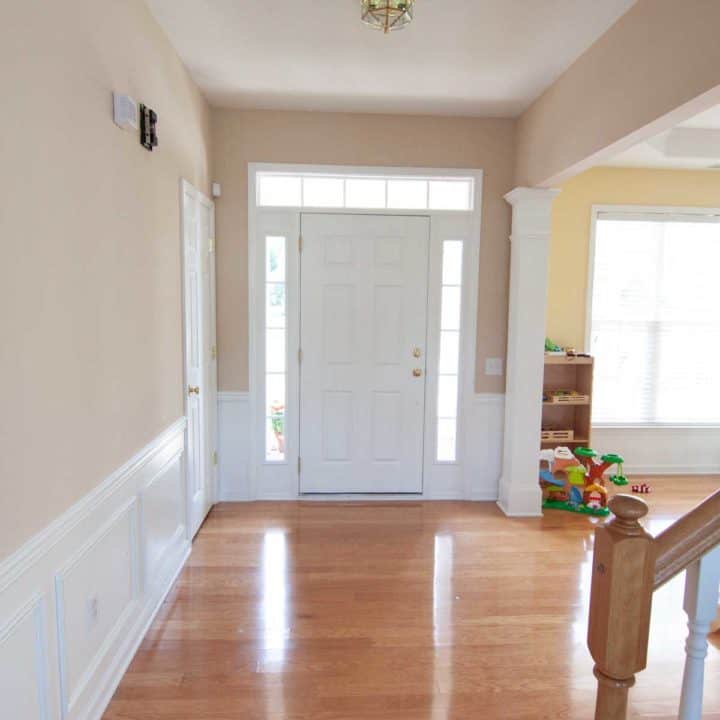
620, 602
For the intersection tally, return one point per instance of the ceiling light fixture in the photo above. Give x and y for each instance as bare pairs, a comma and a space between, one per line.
387, 15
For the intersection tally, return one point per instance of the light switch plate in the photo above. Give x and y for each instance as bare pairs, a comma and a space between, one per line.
493, 366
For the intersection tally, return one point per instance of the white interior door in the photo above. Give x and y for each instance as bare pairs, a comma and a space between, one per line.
200, 352
364, 282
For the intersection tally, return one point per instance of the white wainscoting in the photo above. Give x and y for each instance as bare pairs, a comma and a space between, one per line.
234, 446
662, 450
484, 445
76, 600
475, 479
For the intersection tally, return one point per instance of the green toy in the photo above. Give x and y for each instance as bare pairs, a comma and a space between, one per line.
574, 480
550, 346
618, 478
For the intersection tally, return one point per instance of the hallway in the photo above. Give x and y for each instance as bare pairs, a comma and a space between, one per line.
400, 611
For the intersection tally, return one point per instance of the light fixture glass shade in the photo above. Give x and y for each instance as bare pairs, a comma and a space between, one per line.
387, 15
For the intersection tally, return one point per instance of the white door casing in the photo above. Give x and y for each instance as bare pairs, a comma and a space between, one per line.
280, 479
364, 292
200, 353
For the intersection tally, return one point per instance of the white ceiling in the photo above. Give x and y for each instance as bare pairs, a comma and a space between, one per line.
460, 57
693, 144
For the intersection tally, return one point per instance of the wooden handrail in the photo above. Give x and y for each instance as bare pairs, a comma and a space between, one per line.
687, 539
628, 566
620, 601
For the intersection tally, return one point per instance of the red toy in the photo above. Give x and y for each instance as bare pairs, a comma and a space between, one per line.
642, 489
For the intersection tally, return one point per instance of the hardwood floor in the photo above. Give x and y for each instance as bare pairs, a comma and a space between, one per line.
400, 611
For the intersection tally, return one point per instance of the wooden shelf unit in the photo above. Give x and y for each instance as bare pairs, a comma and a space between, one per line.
563, 372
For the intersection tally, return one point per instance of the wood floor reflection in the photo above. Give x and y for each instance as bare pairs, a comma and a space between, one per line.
399, 611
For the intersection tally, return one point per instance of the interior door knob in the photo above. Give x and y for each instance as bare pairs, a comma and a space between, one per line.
193, 389
417, 352
417, 372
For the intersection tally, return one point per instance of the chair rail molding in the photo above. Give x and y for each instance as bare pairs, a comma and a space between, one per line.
529, 246
77, 598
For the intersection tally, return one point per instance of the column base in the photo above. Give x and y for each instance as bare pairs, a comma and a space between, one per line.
529, 505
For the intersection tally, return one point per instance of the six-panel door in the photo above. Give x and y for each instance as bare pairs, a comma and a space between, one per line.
364, 283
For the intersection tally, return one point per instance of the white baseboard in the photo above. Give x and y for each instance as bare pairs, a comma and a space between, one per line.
76, 600
475, 478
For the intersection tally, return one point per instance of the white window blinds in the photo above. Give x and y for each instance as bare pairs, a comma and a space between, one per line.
655, 319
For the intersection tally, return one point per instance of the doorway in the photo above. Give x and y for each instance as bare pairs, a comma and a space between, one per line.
200, 356
312, 434
363, 340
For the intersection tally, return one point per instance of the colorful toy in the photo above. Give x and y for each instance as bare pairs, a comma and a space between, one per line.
619, 478
576, 481
642, 489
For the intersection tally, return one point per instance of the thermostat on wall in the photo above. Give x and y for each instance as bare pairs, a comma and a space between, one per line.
125, 113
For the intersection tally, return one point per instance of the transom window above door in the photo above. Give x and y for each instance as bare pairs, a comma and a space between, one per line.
371, 192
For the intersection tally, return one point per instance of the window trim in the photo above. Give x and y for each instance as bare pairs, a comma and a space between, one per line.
639, 212
385, 175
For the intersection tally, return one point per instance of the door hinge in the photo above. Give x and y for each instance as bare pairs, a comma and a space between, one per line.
299, 464
211, 244
213, 352
300, 243
299, 355
215, 457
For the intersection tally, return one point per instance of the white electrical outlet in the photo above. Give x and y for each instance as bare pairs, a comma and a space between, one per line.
91, 611
493, 366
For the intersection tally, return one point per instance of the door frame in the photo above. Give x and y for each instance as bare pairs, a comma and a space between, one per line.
280, 480
211, 429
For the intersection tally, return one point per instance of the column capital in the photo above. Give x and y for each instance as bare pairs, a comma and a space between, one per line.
531, 210
523, 195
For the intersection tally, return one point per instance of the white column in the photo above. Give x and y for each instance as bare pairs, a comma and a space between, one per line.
701, 603
530, 240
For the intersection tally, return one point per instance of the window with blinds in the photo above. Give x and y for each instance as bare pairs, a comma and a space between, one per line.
655, 319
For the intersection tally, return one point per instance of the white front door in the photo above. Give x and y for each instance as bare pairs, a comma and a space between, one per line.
200, 352
364, 281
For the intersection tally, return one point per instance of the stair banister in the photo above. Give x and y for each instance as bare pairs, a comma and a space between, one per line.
688, 539
628, 566
701, 605
620, 600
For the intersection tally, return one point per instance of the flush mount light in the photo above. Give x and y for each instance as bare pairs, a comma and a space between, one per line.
387, 15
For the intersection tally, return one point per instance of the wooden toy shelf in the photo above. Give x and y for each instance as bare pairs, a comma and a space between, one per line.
570, 415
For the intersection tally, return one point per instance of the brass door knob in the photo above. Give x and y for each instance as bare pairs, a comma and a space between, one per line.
417, 372
193, 389
417, 352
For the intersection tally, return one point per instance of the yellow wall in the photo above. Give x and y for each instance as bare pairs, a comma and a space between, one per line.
569, 245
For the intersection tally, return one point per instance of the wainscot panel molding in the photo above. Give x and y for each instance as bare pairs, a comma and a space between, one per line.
234, 446
77, 599
484, 443
475, 478
662, 450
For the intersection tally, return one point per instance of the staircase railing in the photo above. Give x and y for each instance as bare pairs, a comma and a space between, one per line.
629, 564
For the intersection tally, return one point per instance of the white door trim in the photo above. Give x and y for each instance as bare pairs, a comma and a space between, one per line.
210, 391
279, 480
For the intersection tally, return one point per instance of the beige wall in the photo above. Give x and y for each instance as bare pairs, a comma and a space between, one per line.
90, 273
658, 65
570, 240
241, 137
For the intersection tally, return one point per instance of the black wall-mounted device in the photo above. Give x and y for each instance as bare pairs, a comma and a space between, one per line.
148, 127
